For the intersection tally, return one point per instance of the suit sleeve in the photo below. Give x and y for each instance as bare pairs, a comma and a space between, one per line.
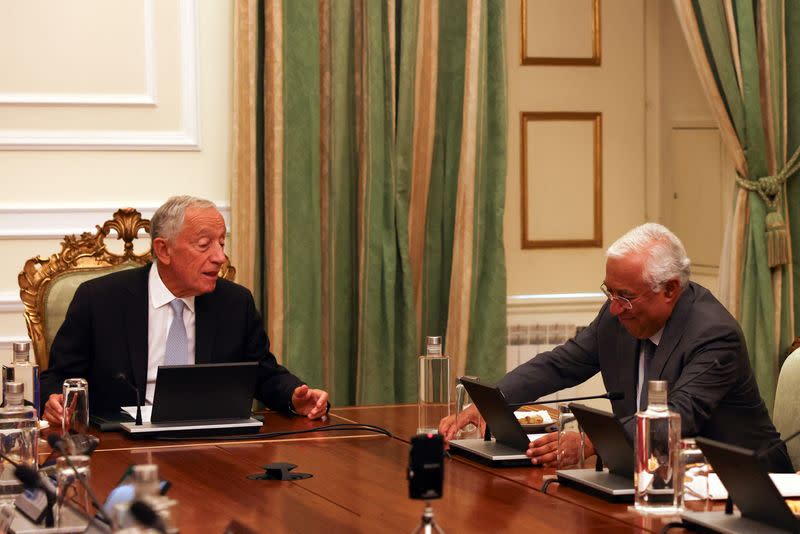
275, 383
713, 368
72, 351
567, 365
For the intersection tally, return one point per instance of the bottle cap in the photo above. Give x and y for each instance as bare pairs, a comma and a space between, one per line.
14, 387
145, 478
657, 392
434, 344
21, 351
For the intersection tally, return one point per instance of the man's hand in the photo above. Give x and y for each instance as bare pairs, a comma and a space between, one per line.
313, 403
54, 409
543, 451
448, 427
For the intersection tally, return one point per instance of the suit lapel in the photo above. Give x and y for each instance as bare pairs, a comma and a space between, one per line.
673, 332
136, 311
204, 329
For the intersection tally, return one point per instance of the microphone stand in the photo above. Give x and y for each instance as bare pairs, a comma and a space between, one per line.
58, 444
124, 378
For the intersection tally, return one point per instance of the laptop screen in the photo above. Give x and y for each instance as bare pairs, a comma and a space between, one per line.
204, 391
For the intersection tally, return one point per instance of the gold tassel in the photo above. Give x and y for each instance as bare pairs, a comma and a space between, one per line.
777, 240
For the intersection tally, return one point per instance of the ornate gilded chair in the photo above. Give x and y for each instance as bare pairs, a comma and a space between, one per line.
47, 285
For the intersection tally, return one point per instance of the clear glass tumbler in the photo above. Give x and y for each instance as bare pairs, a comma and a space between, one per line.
69, 490
694, 470
76, 406
463, 401
570, 452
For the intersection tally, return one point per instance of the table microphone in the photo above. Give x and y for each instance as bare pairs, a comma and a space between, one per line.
32, 480
57, 443
124, 378
144, 514
611, 395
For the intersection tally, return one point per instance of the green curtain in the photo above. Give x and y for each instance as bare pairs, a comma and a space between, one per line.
370, 186
746, 54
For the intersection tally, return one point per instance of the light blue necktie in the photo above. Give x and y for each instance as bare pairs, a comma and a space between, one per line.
177, 352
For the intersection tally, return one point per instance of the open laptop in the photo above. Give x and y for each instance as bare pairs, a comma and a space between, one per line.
201, 399
762, 509
510, 440
611, 442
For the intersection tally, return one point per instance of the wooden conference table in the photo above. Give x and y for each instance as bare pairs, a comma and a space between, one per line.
358, 484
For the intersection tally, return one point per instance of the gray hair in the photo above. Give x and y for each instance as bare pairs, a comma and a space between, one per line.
166, 222
666, 256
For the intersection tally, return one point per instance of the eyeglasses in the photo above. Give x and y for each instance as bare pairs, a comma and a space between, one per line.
626, 303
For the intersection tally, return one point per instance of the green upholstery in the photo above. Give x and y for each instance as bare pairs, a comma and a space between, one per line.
786, 413
60, 291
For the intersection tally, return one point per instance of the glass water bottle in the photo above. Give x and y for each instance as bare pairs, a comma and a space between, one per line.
434, 387
657, 478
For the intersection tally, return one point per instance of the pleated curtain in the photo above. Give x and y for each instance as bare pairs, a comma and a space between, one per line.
369, 162
746, 54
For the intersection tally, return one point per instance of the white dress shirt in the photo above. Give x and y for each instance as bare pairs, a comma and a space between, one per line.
159, 319
656, 339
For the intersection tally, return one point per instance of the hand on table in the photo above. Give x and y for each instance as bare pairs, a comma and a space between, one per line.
448, 426
313, 403
543, 451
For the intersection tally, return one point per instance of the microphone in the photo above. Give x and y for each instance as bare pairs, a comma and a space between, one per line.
32, 480
611, 395
712, 365
769, 448
124, 378
144, 514
57, 443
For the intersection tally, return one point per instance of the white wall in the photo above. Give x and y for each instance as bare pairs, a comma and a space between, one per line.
138, 154
106, 105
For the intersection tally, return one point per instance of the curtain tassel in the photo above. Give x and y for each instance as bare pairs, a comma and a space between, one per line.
777, 240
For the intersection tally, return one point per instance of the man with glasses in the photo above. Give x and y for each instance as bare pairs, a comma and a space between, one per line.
655, 325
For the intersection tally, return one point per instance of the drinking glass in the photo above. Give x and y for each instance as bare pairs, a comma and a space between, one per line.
69, 490
463, 401
76, 406
694, 472
568, 425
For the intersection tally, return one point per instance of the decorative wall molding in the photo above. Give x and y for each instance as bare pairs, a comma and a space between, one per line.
187, 137
10, 303
148, 98
54, 221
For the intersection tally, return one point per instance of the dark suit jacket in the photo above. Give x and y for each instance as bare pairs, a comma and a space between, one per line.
105, 333
723, 404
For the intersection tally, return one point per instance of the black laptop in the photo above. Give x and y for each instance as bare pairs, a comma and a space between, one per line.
615, 482
761, 506
510, 440
201, 399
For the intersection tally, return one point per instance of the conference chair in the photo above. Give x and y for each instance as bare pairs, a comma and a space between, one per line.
786, 414
47, 285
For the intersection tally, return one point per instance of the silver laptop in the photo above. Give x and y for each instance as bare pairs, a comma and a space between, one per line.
615, 482
762, 509
510, 440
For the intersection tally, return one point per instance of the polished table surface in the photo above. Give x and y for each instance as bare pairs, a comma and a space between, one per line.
358, 485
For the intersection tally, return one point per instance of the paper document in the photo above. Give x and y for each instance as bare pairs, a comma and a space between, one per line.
146, 410
788, 485
534, 437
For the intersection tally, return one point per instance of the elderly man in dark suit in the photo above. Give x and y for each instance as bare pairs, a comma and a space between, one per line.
656, 325
173, 311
